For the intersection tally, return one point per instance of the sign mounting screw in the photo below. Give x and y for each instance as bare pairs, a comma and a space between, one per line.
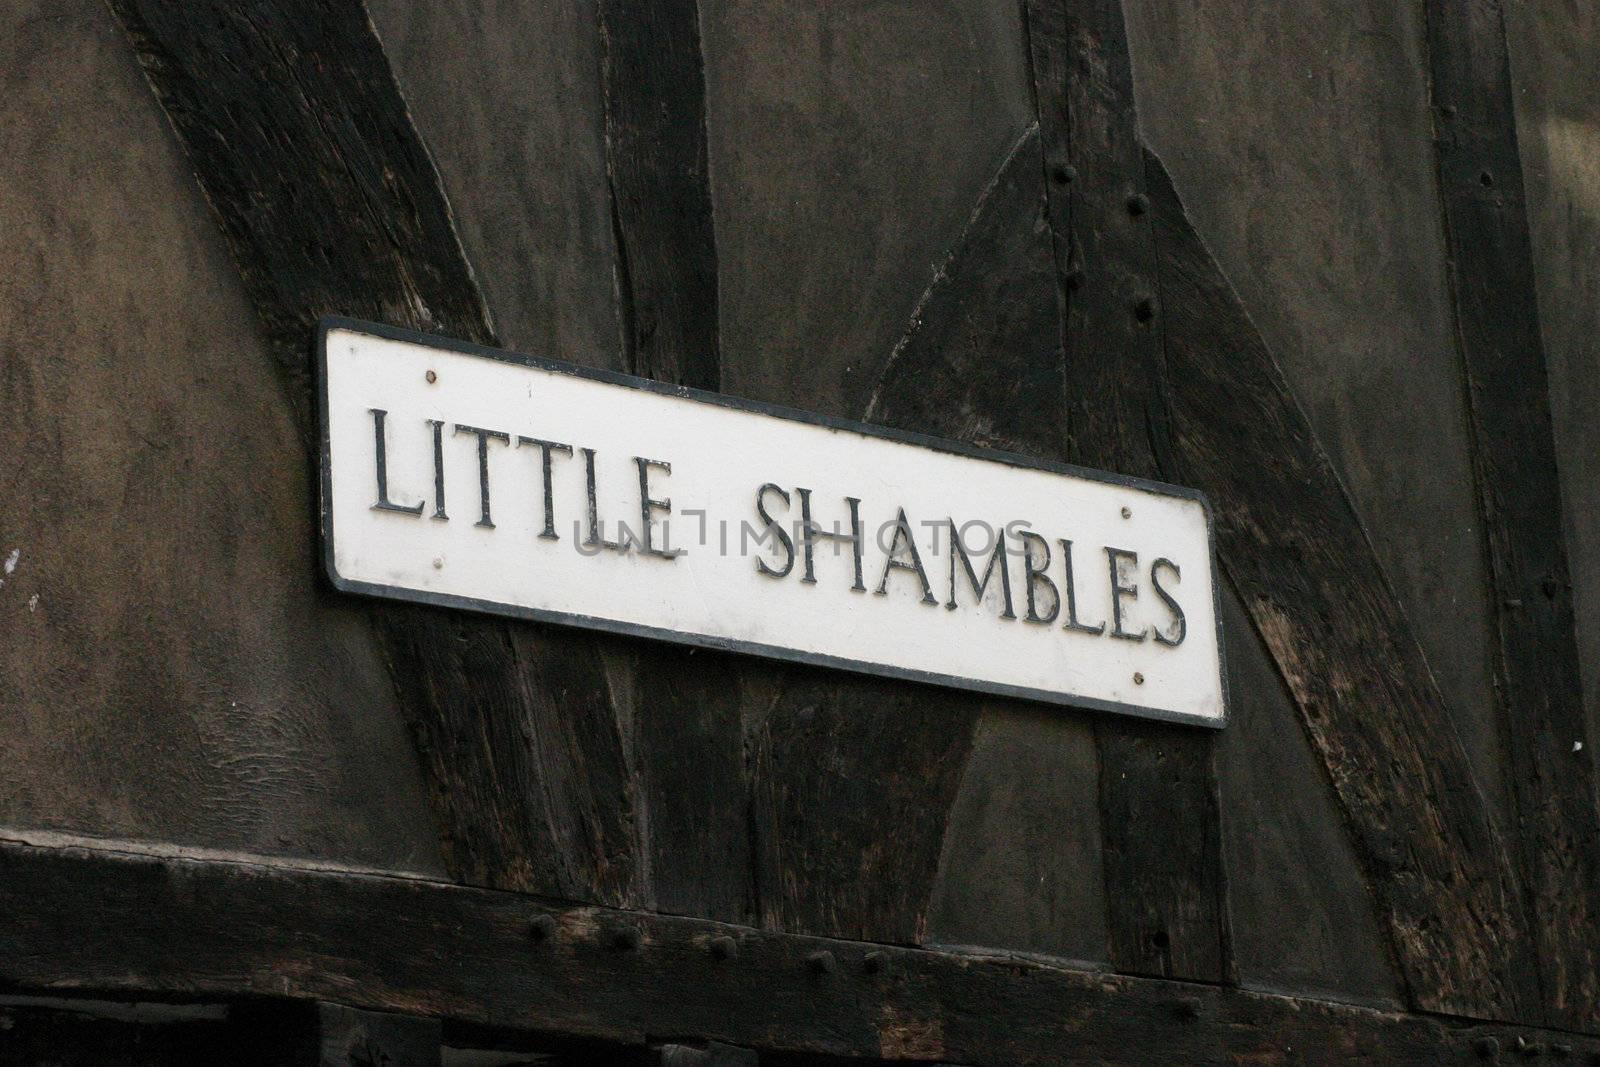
431, 376
1138, 679
1127, 513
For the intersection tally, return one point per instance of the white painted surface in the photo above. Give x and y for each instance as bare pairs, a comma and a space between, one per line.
713, 593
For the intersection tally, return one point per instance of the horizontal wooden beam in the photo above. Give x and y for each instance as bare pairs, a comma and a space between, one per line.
124, 919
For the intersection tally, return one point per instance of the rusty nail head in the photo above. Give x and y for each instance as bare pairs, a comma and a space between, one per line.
1127, 513
1144, 309
626, 937
724, 948
1486, 1047
432, 377
1065, 175
541, 928
1188, 1008
821, 962
1138, 204
1138, 679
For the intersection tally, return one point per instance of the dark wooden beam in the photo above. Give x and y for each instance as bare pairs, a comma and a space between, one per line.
793, 797
687, 722
328, 199
1296, 554
658, 170
1160, 818
1294, 549
1537, 682
120, 921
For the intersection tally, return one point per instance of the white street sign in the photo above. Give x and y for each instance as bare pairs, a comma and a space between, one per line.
474, 478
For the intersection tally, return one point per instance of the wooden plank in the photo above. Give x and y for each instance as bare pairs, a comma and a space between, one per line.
1295, 551
143, 923
327, 197
687, 724
1158, 789
1537, 681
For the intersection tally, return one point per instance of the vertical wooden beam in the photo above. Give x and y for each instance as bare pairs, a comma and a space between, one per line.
330, 203
657, 166
1158, 792
1537, 680
687, 722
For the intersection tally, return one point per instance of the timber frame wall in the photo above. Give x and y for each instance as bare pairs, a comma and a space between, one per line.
1494, 941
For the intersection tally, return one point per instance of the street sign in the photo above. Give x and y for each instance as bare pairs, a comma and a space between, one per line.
480, 479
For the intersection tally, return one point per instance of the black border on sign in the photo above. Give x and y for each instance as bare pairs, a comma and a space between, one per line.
395, 333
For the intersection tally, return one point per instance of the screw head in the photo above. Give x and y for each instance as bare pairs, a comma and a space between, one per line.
541, 928
1127, 513
432, 377
821, 963
1144, 308
1064, 175
1138, 204
1138, 679
723, 948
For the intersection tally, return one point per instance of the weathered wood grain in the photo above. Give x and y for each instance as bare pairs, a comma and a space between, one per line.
1537, 682
143, 924
303, 146
1298, 557
851, 786
1312, 587
688, 733
1158, 790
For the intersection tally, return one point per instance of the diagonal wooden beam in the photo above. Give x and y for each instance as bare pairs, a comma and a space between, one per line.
329, 201
1296, 554
120, 919
1537, 681
1295, 550
1160, 817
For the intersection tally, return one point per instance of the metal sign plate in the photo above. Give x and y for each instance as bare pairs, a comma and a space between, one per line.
475, 478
